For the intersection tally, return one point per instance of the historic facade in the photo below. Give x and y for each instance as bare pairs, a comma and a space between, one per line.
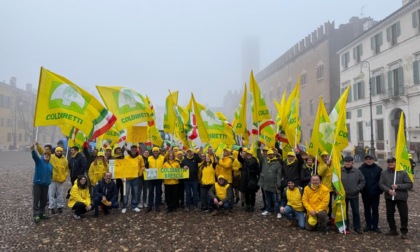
387, 56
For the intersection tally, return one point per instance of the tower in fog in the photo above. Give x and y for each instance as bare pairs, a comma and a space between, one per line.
250, 57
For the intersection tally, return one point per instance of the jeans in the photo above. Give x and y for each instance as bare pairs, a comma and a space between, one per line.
225, 205
272, 201
129, 184
152, 184
56, 189
191, 185
142, 189
98, 201
371, 206
291, 213
40, 197
402, 210
205, 199
354, 203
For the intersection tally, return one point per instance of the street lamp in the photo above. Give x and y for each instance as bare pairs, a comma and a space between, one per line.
365, 64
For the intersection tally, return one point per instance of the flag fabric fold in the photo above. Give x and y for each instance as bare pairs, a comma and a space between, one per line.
60, 101
401, 153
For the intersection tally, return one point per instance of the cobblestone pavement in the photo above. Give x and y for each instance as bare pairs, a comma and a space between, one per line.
179, 231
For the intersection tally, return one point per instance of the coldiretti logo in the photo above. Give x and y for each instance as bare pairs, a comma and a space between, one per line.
128, 100
64, 96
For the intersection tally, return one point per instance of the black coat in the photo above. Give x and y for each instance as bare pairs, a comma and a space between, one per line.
77, 165
372, 175
250, 171
192, 165
109, 190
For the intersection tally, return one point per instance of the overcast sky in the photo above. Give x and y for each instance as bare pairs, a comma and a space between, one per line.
156, 45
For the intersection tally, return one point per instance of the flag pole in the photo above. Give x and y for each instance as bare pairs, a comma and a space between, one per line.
342, 216
316, 161
395, 179
296, 138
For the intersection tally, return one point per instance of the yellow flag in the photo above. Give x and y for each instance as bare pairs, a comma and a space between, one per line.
259, 107
339, 207
401, 153
338, 117
152, 131
239, 122
280, 122
76, 136
60, 101
291, 118
267, 133
169, 118
211, 128
180, 134
110, 138
317, 132
128, 106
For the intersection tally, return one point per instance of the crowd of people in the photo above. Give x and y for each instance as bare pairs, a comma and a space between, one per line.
298, 187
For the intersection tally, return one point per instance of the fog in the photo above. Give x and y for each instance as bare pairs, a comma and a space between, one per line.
153, 46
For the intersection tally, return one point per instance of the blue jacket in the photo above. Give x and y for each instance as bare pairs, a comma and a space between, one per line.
43, 170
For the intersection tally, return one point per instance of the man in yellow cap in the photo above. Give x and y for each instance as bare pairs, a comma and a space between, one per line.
191, 162
221, 195
224, 167
325, 172
155, 161
59, 175
132, 184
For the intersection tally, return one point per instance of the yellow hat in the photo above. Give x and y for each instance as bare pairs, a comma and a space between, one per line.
221, 177
291, 153
155, 149
245, 150
175, 149
101, 154
324, 153
312, 220
227, 149
270, 152
58, 149
179, 152
410, 156
265, 148
108, 148
190, 149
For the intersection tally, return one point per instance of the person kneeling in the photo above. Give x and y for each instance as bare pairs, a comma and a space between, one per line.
316, 197
221, 195
79, 200
292, 205
105, 195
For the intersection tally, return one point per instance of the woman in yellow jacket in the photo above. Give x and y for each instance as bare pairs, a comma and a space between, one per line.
207, 178
97, 169
171, 185
79, 200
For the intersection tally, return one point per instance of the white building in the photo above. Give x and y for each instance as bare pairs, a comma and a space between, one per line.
389, 52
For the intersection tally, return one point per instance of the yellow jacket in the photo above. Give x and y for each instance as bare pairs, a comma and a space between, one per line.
221, 191
325, 172
171, 164
294, 199
207, 175
60, 168
96, 172
316, 198
224, 167
79, 195
156, 162
139, 161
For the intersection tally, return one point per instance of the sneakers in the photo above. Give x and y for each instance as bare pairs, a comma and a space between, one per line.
391, 233
76, 217
404, 236
289, 223
140, 205
265, 213
137, 210
187, 209
124, 210
144, 205
196, 209
358, 231
367, 229
37, 219
60, 210
52, 210
278, 216
44, 216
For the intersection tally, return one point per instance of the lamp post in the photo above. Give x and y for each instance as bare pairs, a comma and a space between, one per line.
365, 64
